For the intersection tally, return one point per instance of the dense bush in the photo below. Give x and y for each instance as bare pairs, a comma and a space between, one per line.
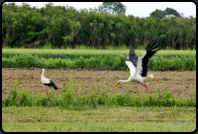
64, 26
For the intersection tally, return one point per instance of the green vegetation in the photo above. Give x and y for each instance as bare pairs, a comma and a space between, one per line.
64, 26
119, 119
93, 100
116, 62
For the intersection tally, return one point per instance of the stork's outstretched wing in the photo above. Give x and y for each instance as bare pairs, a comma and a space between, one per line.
132, 61
51, 84
144, 58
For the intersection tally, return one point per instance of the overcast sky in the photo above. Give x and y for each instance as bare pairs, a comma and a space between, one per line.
140, 9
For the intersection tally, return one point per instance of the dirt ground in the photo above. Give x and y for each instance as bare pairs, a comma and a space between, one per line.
180, 84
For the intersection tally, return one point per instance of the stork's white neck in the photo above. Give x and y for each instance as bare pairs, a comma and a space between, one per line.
42, 75
128, 80
43, 79
124, 80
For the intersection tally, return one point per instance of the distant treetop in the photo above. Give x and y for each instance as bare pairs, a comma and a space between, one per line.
168, 12
112, 8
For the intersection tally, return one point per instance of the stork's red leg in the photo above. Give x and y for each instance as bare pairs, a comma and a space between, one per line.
147, 90
47, 92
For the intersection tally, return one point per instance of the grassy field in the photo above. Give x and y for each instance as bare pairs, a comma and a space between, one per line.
95, 52
97, 112
134, 119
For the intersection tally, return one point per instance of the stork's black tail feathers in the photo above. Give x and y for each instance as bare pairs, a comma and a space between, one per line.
55, 87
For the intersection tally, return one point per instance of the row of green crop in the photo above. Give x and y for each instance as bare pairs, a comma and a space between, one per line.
86, 56
93, 99
100, 62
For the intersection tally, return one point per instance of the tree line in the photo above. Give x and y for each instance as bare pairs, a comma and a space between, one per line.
63, 26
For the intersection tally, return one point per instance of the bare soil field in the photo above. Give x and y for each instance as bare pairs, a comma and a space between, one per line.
181, 84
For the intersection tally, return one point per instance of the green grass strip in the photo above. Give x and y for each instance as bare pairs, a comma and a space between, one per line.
94, 52
118, 119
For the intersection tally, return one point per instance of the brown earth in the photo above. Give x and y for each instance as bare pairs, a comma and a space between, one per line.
181, 84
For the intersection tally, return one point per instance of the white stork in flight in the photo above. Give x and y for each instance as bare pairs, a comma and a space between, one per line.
138, 66
47, 82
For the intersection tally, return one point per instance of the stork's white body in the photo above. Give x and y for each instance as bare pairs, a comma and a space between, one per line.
135, 73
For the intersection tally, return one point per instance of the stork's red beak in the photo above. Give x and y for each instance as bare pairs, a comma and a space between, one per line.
116, 84
40, 72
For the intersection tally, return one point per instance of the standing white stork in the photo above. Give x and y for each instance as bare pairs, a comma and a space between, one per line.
47, 82
138, 66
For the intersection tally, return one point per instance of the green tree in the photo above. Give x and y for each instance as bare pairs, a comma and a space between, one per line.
114, 8
170, 11
75, 26
156, 13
